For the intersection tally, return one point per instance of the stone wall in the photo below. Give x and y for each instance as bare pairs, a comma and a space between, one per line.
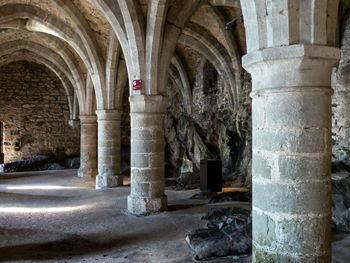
341, 100
213, 130
34, 112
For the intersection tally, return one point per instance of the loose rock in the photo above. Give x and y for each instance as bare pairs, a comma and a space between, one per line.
228, 233
341, 202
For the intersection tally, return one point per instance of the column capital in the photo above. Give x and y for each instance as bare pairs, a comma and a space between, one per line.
291, 66
109, 114
88, 119
147, 104
73, 123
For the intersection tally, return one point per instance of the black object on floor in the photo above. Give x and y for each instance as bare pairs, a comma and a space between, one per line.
211, 175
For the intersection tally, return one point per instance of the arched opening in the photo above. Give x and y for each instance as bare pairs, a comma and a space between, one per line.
34, 106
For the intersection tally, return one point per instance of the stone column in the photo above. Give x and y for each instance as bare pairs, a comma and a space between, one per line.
108, 149
147, 155
292, 152
88, 146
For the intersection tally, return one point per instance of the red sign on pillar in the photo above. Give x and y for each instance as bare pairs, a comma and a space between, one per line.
137, 84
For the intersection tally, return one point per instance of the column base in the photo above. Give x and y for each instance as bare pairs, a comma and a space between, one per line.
108, 181
144, 206
87, 173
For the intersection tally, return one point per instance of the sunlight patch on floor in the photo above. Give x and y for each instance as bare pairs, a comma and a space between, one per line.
29, 210
39, 187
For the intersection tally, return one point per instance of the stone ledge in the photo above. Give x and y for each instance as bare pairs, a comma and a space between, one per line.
291, 52
147, 104
109, 115
88, 119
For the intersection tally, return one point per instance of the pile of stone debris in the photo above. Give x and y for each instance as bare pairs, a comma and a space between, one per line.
341, 198
41, 163
228, 234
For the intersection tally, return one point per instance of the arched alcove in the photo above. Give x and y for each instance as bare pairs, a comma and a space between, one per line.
35, 108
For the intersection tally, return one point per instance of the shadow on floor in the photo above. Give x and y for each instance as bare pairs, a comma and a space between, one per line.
26, 198
62, 249
19, 175
5, 176
179, 207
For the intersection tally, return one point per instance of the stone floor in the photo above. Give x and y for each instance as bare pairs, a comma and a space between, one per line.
57, 217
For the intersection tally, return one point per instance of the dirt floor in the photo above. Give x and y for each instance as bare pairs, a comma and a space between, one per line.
56, 217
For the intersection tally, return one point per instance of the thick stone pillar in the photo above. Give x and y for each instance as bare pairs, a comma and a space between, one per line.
88, 146
108, 149
292, 152
147, 155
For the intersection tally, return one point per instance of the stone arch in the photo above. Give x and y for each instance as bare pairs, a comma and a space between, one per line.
48, 55
39, 41
233, 47
178, 15
21, 55
176, 80
90, 101
112, 68
76, 108
231, 3
32, 18
135, 29
112, 12
179, 75
116, 73
122, 80
127, 21
217, 60
53, 43
40, 111
155, 27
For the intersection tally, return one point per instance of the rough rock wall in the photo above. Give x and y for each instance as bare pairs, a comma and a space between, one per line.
341, 100
212, 130
34, 112
125, 132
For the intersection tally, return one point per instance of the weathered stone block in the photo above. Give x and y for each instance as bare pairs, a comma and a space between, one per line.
261, 165
156, 160
291, 141
144, 206
109, 181
298, 110
147, 175
140, 189
262, 256
156, 189
149, 146
292, 198
140, 160
299, 169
